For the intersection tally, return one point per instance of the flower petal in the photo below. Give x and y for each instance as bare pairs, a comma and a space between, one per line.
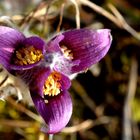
53, 44
54, 56
88, 46
38, 80
9, 40
41, 75
56, 112
37, 43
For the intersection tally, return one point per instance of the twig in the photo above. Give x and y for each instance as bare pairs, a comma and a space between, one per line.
61, 18
4, 80
86, 99
127, 116
101, 11
123, 22
77, 16
81, 91
17, 123
86, 125
46, 15
117, 19
21, 108
28, 18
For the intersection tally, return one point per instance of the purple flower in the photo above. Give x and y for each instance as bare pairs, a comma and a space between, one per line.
51, 98
45, 66
76, 50
18, 52
69, 52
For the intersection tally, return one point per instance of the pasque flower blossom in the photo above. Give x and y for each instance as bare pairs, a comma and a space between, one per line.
76, 50
51, 98
46, 67
19, 52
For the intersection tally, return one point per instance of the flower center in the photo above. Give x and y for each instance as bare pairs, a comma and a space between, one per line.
27, 55
52, 84
67, 53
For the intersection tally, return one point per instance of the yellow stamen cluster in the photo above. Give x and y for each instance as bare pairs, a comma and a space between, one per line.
67, 53
52, 84
27, 55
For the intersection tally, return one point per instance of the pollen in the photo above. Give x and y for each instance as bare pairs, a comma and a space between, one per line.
52, 86
27, 55
67, 52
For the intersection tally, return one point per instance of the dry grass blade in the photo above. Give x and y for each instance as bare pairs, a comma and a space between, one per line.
101, 11
28, 18
127, 118
77, 16
86, 125
21, 108
125, 25
17, 123
61, 18
117, 19
82, 93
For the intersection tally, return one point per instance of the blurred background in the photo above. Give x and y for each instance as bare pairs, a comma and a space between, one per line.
106, 98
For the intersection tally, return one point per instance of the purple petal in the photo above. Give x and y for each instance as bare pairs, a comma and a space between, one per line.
29, 76
38, 43
56, 112
41, 76
53, 44
39, 79
54, 56
35, 41
10, 39
88, 46
65, 82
